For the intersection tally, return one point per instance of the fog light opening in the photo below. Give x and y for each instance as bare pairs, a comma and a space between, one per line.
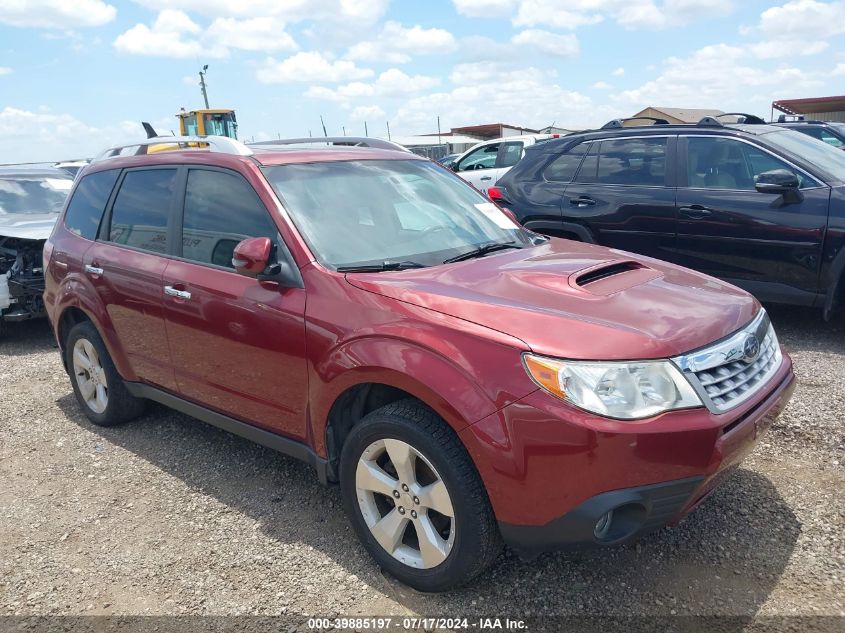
620, 523
603, 526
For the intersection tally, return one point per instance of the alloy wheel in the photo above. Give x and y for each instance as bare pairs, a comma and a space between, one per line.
405, 503
90, 376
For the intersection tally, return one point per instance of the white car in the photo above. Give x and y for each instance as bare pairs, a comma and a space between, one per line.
30, 202
482, 165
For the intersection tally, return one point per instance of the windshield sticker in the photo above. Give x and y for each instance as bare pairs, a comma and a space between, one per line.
60, 184
495, 213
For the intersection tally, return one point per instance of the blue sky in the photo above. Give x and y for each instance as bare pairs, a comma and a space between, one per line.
76, 76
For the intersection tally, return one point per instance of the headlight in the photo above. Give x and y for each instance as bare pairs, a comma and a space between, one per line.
626, 390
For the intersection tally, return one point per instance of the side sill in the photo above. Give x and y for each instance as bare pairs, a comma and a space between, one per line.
285, 445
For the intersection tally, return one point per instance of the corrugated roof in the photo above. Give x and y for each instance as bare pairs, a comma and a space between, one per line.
811, 105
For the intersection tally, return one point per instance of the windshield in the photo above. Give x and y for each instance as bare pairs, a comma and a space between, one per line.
33, 194
369, 212
825, 157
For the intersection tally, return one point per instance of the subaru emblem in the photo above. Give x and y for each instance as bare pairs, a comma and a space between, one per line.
751, 347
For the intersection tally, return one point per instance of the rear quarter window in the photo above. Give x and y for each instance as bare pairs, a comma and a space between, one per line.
86, 207
564, 167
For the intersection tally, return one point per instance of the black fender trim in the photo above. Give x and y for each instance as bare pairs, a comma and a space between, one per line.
837, 278
280, 443
583, 233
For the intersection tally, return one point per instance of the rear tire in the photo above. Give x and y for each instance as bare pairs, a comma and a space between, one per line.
98, 387
426, 518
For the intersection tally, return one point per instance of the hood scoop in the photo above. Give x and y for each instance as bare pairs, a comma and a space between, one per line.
611, 277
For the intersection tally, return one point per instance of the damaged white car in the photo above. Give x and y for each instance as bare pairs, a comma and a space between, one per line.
30, 202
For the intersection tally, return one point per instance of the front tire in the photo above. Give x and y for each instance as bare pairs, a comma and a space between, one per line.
415, 499
98, 387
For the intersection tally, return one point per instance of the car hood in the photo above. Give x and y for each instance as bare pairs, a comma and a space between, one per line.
574, 300
28, 226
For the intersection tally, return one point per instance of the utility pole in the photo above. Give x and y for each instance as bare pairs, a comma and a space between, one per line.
439, 141
326, 134
202, 85
343, 127
366, 133
388, 131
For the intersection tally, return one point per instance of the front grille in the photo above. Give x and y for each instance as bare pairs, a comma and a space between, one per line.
729, 372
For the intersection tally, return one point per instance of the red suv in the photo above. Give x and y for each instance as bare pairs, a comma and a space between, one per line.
465, 381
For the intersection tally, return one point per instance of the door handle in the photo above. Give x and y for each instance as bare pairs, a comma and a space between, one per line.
582, 201
695, 212
93, 270
175, 292
487, 178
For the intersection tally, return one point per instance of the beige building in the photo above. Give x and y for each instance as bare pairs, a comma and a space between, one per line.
674, 115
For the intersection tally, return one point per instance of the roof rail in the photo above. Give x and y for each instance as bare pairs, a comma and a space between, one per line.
341, 141
220, 144
615, 123
742, 117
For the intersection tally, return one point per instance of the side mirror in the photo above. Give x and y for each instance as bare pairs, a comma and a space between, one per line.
252, 256
454, 166
778, 181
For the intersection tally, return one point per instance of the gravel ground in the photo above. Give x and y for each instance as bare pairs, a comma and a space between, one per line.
170, 516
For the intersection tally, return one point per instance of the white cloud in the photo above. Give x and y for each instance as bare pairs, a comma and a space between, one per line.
618, 72
265, 33
391, 83
169, 36
367, 113
483, 92
396, 44
602, 85
311, 67
553, 44
799, 27
633, 14
344, 11
721, 76
56, 14
5, 70
484, 8
48, 136
787, 48
804, 19
175, 34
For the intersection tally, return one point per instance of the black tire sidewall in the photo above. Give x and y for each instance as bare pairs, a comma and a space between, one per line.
109, 417
463, 558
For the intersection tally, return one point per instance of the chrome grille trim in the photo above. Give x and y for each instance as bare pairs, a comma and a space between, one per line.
724, 375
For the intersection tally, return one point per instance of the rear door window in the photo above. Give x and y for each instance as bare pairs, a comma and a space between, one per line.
632, 161
85, 210
221, 210
141, 209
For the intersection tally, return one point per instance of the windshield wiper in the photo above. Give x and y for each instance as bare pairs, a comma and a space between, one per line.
482, 249
377, 268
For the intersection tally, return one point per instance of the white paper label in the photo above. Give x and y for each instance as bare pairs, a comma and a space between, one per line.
59, 183
495, 213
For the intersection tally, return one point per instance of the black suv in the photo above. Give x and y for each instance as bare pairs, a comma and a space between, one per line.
828, 131
758, 205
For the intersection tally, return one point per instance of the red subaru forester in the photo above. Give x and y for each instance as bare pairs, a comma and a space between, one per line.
465, 381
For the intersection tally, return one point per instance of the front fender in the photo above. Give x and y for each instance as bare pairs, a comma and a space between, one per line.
453, 391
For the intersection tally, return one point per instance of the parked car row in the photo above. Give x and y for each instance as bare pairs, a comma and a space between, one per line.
757, 205
464, 380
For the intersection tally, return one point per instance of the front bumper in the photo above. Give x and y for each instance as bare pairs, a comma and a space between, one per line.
552, 471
